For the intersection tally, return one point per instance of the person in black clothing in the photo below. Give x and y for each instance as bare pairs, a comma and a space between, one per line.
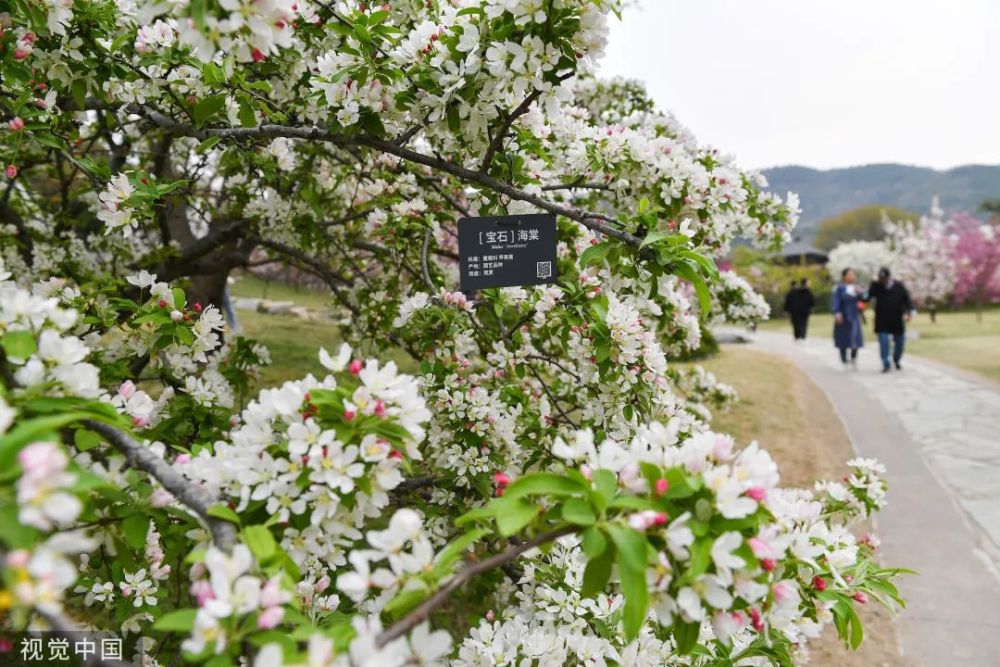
791, 305
893, 308
798, 304
807, 301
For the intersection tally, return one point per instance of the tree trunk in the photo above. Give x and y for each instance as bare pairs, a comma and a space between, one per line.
933, 313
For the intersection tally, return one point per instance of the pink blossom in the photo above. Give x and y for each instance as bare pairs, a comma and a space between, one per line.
126, 389
16, 124
270, 617
160, 496
18, 558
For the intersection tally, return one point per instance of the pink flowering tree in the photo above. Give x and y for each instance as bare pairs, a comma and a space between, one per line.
924, 258
536, 475
977, 260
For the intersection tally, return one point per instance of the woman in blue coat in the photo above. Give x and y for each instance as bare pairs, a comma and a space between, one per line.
847, 318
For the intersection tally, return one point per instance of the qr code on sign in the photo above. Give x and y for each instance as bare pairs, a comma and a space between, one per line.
543, 269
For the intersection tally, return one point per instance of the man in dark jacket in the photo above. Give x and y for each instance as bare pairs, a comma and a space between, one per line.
799, 303
893, 308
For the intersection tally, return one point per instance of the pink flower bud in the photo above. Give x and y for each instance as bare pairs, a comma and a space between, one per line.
491, 616
183, 458
322, 584
16, 124
355, 367
767, 564
257, 55
819, 583
349, 415
662, 486
11, 171
860, 597
20, 54
758, 493
501, 479
379, 408
758, 625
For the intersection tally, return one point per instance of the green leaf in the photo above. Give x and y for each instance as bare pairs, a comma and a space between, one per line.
687, 272
246, 114
597, 573
857, 630
593, 542
15, 534
595, 253
513, 515
225, 513
19, 345
84, 439
180, 299
405, 601
180, 620
447, 557
686, 636
653, 237
213, 74
207, 145
476, 514
207, 108
579, 512
607, 485
701, 555
631, 546
543, 484
260, 541
135, 527
633, 585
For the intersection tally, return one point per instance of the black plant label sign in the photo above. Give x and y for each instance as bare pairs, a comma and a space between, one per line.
507, 250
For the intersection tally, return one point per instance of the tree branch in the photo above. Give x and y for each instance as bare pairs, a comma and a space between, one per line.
594, 221
188, 493
423, 612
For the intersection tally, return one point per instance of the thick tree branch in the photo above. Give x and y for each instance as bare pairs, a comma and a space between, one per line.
188, 493
423, 612
594, 221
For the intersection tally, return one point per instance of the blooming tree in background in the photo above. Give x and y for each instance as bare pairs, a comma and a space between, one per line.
535, 485
865, 257
977, 260
924, 258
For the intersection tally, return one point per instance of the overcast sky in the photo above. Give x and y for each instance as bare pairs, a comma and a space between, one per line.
823, 83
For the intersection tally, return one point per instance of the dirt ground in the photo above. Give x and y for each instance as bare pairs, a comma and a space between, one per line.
791, 418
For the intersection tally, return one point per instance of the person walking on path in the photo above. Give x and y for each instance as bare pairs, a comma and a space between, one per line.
893, 308
805, 305
792, 301
847, 318
799, 303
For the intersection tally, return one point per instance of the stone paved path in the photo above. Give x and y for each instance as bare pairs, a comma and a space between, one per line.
938, 432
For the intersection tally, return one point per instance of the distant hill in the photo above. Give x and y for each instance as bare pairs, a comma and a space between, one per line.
825, 193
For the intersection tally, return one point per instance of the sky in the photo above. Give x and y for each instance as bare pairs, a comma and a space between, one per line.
822, 83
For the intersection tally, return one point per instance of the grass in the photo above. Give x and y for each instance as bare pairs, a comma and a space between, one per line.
294, 345
253, 287
958, 338
780, 408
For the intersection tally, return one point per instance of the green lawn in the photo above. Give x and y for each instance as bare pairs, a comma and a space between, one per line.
957, 338
294, 345
253, 287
